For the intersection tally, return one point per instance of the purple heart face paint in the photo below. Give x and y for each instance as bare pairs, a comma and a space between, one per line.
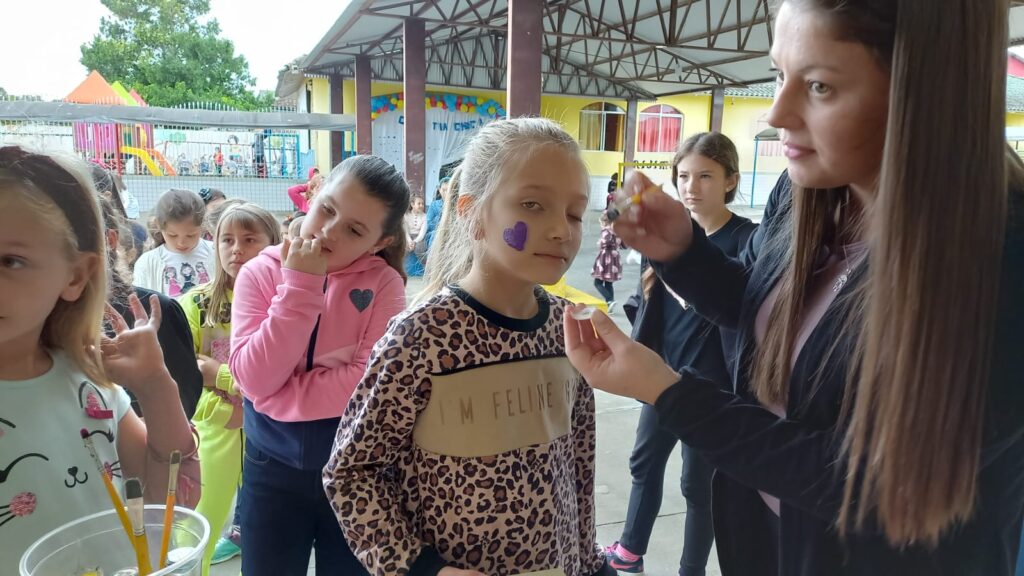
516, 236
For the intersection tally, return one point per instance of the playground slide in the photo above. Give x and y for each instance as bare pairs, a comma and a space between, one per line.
164, 164
146, 156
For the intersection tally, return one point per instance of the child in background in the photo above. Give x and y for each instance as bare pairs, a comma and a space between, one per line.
706, 174
171, 264
174, 336
416, 233
304, 318
57, 373
468, 447
607, 268
302, 194
214, 200
243, 231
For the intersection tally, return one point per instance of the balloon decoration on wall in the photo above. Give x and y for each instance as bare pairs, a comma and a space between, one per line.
488, 107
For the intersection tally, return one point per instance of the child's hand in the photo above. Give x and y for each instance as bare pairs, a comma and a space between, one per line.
133, 357
209, 368
303, 255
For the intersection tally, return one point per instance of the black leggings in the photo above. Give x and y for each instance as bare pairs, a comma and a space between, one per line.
647, 464
605, 288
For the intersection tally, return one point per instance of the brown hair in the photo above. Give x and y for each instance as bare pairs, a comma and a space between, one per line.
921, 364
713, 146
384, 183
119, 286
175, 206
60, 192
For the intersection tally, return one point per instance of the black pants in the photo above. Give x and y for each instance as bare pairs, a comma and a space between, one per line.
647, 464
605, 288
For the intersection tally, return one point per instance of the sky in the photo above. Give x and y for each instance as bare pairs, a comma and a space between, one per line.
47, 36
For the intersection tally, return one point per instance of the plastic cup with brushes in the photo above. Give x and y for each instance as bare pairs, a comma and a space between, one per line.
121, 541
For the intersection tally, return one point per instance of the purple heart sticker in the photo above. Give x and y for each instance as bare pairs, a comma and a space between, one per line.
516, 236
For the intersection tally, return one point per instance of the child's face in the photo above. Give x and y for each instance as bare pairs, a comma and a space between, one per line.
417, 204
533, 226
702, 184
35, 273
236, 245
348, 221
182, 236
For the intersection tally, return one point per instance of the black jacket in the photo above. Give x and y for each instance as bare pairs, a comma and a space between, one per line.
175, 338
690, 340
797, 459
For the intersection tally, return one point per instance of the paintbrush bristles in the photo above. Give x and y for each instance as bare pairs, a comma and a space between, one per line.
172, 480
133, 498
132, 489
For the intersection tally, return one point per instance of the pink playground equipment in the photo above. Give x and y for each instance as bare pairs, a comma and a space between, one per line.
112, 144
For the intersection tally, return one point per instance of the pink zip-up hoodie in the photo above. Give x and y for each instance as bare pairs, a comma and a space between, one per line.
274, 313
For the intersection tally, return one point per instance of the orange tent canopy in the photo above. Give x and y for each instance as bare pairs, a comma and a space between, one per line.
94, 90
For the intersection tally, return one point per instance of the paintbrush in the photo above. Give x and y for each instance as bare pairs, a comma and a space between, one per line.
623, 204
172, 488
136, 512
109, 485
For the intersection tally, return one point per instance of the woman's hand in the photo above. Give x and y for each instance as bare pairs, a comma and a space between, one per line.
209, 368
610, 361
659, 228
303, 255
133, 357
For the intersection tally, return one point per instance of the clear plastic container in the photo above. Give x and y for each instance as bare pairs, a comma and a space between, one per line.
99, 542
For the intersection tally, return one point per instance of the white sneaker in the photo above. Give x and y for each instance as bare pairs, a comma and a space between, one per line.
611, 307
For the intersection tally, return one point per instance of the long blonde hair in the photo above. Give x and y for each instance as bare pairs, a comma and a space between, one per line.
60, 192
253, 219
922, 359
490, 153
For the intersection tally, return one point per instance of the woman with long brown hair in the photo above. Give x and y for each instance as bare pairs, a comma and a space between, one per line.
877, 405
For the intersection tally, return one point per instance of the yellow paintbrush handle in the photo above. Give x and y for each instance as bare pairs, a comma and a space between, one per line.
168, 519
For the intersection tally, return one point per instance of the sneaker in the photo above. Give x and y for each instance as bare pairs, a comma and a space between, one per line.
620, 564
225, 550
611, 307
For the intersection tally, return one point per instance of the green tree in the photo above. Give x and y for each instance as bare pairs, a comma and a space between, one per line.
172, 54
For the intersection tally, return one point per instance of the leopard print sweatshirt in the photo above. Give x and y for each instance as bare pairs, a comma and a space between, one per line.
470, 443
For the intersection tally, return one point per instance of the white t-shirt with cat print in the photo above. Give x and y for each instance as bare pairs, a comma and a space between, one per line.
47, 477
173, 273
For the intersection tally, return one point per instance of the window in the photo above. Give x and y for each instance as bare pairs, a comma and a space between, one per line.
660, 129
602, 127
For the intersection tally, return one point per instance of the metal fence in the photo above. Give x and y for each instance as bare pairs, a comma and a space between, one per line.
256, 164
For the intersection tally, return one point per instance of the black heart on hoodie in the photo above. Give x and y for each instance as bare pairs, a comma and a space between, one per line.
361, 298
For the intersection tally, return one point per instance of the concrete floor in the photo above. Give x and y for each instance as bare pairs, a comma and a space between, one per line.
616, 423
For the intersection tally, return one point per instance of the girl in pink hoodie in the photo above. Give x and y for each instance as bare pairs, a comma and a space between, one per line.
305, 317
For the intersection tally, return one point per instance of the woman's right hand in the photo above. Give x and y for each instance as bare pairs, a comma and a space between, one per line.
453, 571
659, 228
303, 255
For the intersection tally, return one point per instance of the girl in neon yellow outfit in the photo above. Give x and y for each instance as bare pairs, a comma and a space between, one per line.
242, 232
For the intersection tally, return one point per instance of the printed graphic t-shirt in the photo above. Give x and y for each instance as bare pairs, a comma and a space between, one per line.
173, 273
47, 477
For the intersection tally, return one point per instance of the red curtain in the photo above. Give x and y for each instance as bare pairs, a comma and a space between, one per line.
659, 133
647, 140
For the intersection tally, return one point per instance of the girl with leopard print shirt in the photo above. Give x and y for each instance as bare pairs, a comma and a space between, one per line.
468, 447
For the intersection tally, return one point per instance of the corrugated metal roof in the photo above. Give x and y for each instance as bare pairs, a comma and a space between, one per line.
623, 48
